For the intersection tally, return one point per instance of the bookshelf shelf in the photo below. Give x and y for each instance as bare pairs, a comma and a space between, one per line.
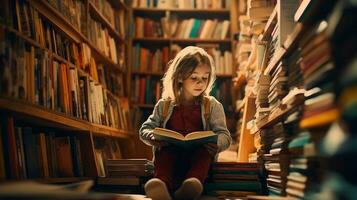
275, 60
182, 11
22, 36
109, 131
99, 16
29, 111
40, 116
196, 40
205, 13
64, 179
181, 40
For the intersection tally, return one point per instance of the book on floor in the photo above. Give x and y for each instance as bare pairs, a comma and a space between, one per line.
192, 139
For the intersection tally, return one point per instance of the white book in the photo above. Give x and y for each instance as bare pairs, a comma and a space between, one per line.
189, 27
205, 29
225, 28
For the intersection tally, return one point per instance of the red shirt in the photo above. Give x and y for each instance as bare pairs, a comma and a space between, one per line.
185, 119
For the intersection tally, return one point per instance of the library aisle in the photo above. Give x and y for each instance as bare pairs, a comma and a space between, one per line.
78, 78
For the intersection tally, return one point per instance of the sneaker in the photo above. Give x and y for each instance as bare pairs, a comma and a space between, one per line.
156, 190
191, 188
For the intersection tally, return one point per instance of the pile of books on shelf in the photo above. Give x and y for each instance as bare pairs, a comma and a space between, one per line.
276, 160
259, 13
127, 173
262, 101
245, 51
231, 179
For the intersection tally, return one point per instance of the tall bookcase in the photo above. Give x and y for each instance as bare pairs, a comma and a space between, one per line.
296, 122
63, 92
160, 31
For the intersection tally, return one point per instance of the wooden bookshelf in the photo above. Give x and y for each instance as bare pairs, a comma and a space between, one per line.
169, 40
54, 55
62, 23
46, 118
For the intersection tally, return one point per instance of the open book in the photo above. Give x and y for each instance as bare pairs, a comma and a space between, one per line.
191, 139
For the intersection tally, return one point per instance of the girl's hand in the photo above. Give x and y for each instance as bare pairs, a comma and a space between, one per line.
158, 143
212, 148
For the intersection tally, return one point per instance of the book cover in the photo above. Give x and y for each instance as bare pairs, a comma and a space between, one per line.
191, 139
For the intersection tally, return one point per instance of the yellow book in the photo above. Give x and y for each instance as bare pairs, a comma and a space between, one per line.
192, 139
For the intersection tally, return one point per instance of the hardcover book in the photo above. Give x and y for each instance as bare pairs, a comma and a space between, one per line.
192, 139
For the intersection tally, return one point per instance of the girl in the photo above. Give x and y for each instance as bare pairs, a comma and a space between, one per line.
186, 87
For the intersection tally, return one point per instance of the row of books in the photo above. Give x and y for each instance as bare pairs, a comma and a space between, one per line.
182, 4
74, 11
114, 17
203, 29
150, 60
102, 40
148, 27
29, 21
34, 75
146, 90
33, 153
35, 27
183, 28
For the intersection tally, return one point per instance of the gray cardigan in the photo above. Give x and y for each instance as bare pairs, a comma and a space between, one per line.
217, 122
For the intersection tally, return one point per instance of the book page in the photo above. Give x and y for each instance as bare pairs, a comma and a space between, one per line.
199, 134
168, 133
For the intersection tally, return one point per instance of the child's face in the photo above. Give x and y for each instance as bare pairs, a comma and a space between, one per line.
197, 82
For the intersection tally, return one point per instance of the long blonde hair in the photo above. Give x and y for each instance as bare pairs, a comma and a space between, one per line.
181, 67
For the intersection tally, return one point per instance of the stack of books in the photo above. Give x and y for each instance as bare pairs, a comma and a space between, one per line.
127, 173
228, 179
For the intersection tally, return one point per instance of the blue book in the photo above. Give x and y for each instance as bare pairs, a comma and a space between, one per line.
195, 28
